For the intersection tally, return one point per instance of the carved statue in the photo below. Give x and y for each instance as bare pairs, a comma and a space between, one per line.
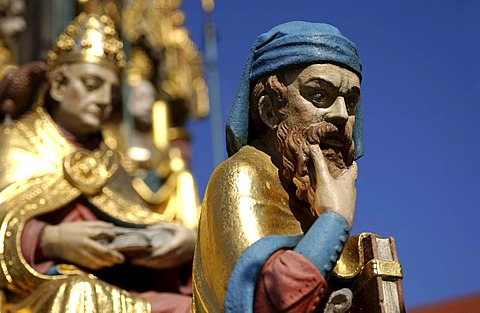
278, 212
165, 88
75, 236
164, 77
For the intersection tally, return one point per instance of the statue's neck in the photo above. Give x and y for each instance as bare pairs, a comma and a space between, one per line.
81, 139
267, 143
89, 142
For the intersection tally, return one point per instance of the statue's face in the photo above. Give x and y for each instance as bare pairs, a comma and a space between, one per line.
320, 110
85, 98
140, 102
322, 92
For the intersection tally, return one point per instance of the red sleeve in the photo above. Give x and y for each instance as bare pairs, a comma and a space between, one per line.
30, 244
288, 282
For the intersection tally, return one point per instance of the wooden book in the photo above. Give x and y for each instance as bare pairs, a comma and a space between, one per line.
378, 287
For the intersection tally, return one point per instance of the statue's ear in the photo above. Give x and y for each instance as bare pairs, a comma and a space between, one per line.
57, 87
267, 112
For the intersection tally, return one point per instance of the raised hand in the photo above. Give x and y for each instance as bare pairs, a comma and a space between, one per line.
333, 194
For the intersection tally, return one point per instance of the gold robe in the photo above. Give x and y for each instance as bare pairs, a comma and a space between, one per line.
242, 196
245, 201
40, 172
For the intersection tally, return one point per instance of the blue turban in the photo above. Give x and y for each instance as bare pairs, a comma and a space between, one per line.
284, 46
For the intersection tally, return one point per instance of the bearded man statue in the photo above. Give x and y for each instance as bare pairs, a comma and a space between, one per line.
278, 212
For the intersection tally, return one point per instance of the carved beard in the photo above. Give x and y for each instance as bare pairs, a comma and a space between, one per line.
293, 144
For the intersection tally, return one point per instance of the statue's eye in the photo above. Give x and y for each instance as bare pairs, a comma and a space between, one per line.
351, 104
318, 97
92, 83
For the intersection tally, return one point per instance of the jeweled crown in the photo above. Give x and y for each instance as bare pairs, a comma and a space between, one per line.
89, 38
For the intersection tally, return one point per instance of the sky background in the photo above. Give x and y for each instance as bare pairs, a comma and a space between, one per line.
419, 177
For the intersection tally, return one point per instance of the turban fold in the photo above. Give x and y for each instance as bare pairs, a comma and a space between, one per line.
291, 44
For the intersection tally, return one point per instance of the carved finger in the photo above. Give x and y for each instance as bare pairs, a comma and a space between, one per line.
90, 260
351, 173
321, 169
107, 256
167, 248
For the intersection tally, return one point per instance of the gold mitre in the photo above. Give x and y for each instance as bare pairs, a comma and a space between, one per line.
89, 38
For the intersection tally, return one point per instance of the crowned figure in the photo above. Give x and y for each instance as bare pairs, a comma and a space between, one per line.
75, 235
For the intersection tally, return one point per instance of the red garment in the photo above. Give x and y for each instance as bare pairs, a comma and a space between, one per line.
30, 241
161, 302
288, 282
170, 300
165, 302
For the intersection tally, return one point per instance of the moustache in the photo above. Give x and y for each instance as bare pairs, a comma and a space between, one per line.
332, 139
326, 133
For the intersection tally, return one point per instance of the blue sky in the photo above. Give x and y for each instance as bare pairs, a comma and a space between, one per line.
419, 178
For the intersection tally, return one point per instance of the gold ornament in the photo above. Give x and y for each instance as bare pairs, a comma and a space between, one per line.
89, 38
88, 171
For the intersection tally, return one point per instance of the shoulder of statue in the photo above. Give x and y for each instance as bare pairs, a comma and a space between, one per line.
36, 127
250, 173
31, 146
35, 134
248, 164
247, 159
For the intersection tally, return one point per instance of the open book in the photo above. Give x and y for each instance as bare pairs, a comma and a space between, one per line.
138, 242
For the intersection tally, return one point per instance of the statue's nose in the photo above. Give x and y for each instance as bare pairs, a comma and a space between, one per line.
337, 113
